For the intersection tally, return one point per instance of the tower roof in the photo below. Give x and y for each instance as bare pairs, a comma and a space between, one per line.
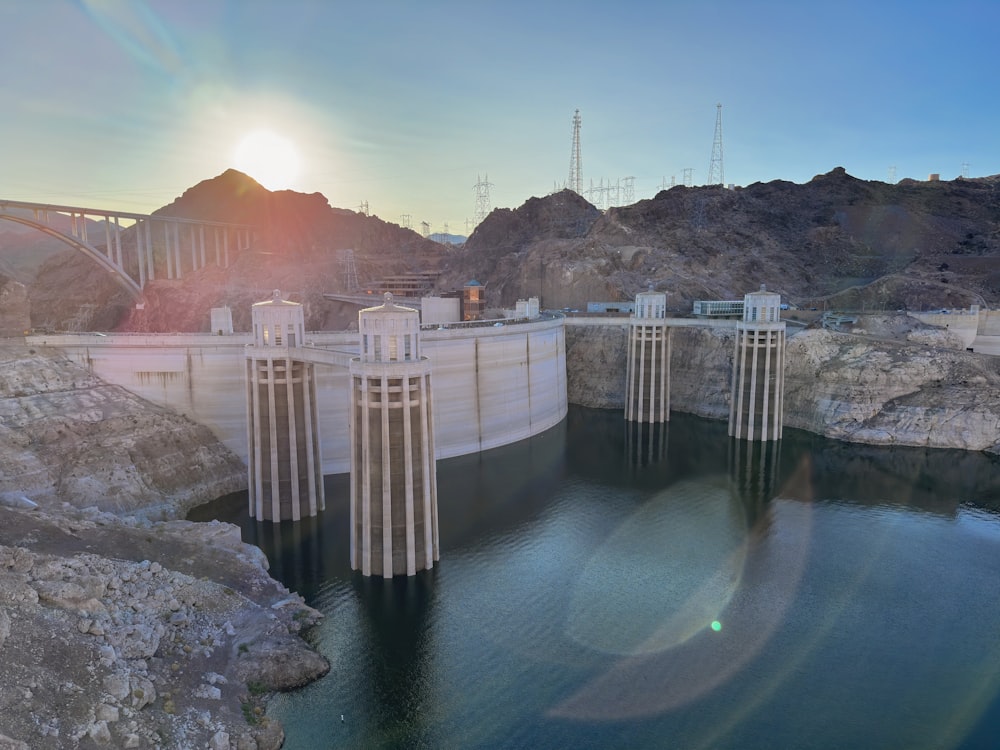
388, 306
276, 300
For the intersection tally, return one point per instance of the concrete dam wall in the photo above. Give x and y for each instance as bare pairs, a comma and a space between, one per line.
492, 386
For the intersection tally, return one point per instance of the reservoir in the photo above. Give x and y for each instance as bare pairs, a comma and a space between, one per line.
607, 587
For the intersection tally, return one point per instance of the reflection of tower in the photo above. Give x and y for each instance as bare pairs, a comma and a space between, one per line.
284, 473
575, 159
753, 467
756, 406
647, 383
646, 444
394, 527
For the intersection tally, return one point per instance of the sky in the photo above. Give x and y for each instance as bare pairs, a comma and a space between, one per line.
405, 106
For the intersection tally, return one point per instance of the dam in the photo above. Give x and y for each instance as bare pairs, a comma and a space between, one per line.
495, 384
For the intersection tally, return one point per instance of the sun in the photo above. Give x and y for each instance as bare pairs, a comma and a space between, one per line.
269, 158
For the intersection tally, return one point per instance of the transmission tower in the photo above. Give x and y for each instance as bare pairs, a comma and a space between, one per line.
575, 160
628, 190
406, 221
483, 206
351, 282
688, 176
892, 175
363, 208
425, 228
965, 170
716, 175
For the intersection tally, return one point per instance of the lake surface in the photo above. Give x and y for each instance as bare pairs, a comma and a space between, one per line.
601, 587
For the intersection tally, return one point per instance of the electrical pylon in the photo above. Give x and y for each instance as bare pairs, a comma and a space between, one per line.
716, 175
575, 160
483, 206
351, 283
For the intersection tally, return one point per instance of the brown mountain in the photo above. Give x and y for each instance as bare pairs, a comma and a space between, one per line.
835, 241
296, 249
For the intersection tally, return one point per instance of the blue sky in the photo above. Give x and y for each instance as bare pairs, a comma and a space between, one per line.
404, 105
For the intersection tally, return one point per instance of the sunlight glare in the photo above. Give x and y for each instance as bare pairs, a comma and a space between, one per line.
271, 159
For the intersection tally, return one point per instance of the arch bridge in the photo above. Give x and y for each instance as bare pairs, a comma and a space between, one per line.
136, 248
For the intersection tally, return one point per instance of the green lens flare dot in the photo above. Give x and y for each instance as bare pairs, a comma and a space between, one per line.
716, 626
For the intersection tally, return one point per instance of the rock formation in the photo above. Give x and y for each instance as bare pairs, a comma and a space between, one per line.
912, 385
118, 629
69, 437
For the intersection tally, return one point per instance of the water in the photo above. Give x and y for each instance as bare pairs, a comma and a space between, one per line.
601, 589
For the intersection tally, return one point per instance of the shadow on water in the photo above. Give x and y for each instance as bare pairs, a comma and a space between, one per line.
395, 616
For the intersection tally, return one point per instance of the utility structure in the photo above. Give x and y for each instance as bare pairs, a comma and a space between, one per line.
647, 380
483, 204
756, 404
394, 516
575, 159
351, 282
716, 173
284, 470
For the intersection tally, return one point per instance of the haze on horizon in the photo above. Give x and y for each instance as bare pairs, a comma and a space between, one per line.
127, 103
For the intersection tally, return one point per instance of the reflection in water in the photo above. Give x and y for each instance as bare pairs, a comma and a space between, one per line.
601, 589
754, 467
395, 613
646, 444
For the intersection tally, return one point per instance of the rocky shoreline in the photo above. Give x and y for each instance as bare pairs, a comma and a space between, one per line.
121, 626
130, 634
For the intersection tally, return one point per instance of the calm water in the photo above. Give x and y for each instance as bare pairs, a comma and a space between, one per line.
600, 589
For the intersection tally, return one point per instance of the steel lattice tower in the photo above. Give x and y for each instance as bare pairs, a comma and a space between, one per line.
575, 160
716, 175
483, 205
351, 282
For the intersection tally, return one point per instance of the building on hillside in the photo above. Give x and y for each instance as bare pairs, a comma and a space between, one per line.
474, 300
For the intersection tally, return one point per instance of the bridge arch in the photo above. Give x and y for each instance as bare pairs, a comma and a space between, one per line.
43, 216
117, 272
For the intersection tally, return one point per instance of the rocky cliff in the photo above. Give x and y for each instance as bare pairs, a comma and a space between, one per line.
118, 629
888, 381
848, 242
69, 437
